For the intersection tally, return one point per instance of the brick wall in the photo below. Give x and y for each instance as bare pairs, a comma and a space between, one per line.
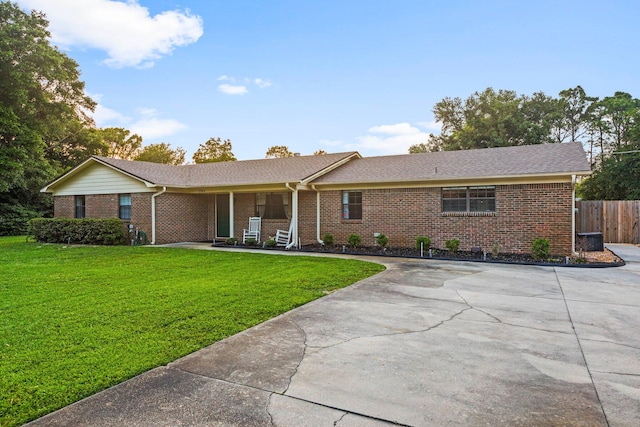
64, 207
182, 218
179, 217
523, 213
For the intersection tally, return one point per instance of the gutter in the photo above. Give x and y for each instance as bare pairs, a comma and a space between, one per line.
153, 214
313, 186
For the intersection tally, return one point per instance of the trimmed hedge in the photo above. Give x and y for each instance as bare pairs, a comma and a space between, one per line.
88, 231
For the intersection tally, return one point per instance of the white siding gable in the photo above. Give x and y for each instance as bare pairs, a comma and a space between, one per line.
99, 179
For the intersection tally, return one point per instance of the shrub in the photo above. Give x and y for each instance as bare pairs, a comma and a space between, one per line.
251, 242
88, 231
354, 240
270, 243
452, 245
382, 240
426, 242
231, 241
328, 239
14, 219
495, 250
540, 248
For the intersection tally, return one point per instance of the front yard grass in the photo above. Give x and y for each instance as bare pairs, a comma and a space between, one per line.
75, 320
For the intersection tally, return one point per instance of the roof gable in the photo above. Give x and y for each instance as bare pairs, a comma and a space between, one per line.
97, 178
218, 174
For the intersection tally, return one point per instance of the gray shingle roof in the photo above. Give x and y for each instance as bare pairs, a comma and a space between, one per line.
542, 159
233, 173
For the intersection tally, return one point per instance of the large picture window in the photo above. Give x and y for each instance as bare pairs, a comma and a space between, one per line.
352, 205
469, 199
272, 205
125, 207
80, 206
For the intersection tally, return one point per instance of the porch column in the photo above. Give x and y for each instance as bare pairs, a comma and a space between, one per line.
294, 215
231, 221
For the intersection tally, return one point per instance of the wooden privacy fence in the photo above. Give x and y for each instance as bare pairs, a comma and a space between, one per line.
617, 220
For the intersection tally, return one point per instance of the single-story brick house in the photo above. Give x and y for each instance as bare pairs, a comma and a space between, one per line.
506, 196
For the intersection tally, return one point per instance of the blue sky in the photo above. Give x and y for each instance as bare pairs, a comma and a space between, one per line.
332, 75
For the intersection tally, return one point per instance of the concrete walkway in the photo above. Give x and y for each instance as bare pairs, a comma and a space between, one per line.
423, 343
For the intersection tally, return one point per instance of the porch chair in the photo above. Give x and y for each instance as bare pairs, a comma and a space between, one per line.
253, 232
283, 238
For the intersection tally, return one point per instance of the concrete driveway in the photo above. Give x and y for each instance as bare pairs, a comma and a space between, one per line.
423, 343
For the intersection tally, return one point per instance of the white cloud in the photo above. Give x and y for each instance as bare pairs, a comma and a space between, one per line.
147, 124
232, 90
261, 83
125, 30
397, 129
383, 140
104, 116
153, 127
433, 126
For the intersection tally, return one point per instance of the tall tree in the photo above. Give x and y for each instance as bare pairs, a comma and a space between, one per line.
617, 177
491, 119
419, 148
278, 151
161, 153
214, 150
42, 103
319, 152
120, 143
574, 105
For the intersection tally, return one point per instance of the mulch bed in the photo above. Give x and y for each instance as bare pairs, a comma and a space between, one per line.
591, 259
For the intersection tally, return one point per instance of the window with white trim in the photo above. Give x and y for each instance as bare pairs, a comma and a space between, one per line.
80, 206
352, 205
469, 199
124, 209
272, 205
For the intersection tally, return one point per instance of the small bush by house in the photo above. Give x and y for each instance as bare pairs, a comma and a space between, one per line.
88, 231
424, 242
540, 248
452, 245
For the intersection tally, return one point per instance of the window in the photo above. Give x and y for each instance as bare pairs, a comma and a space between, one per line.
80, 206
125, 206
352, 205
469, 199
272, 205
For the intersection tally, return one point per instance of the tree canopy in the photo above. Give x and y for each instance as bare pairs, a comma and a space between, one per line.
604, 126
214, 150
161, 153
43, 115
277, 151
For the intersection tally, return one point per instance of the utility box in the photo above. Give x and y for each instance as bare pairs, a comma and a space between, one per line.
594, 241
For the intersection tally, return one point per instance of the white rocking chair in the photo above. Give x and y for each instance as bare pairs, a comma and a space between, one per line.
253, 232
283, 238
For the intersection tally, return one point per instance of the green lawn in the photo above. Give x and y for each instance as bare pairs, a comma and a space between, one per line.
75, 320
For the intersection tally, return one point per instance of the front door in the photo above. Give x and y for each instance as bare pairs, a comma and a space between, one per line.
222, 215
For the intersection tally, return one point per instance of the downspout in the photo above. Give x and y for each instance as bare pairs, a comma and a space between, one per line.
231, 213
153, 214
294, 217
317, 214
573, 215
